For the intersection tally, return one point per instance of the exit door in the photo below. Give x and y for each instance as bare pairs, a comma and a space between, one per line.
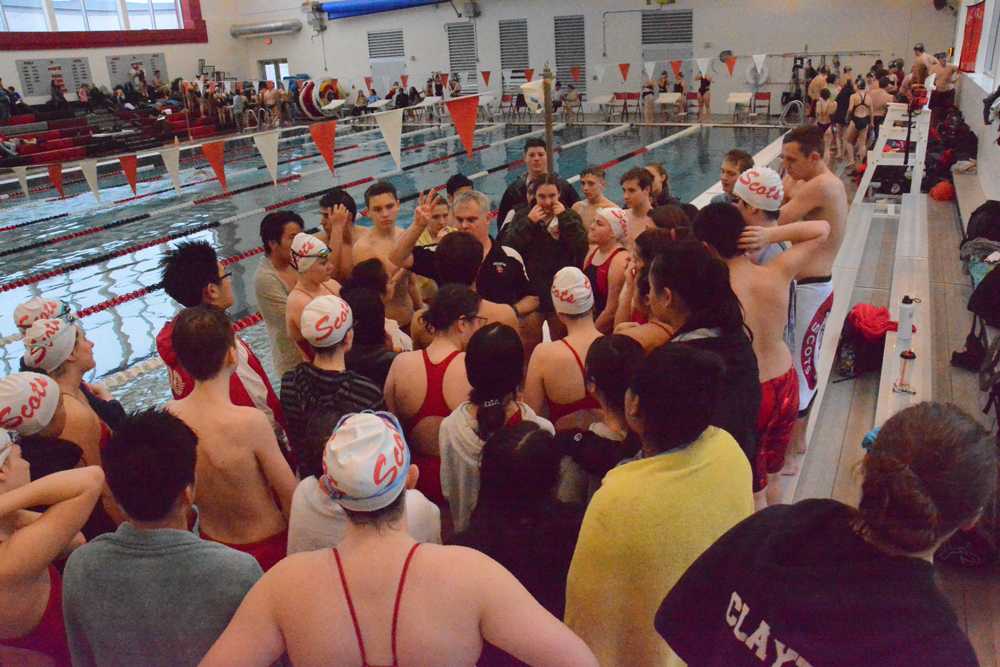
273, 70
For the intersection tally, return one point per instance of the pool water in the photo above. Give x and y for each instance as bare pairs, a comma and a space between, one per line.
125, 334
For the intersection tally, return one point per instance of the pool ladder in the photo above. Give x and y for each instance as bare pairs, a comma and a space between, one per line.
793, 106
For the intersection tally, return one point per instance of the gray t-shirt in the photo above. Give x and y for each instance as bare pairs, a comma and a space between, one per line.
272, 300
151, 597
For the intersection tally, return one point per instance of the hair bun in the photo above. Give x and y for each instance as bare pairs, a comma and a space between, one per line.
896, 504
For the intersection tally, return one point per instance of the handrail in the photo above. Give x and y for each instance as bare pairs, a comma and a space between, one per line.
794, 104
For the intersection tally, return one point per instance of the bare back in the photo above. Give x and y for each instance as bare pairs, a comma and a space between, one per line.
821, 198
399, 304
945, 79
763, 292
554, 375
588, 211
235, 500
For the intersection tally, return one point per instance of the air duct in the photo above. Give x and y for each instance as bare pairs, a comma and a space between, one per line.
348, 8
286, 27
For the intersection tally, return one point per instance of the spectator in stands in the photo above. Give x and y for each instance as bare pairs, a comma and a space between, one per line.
372, 352
31, 614
549, 236
691, 292
556, 384
294, 608
130, 596
324, 386
239, 107
653, 516
57, 93
245, 486
425, 387
517, 519
6, 103
494, 365
929, 473
516, 194
274, 279
192, 275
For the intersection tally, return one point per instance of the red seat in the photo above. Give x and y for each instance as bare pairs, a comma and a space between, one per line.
202, 131
762, 97
66, 123
22, 119
63, 155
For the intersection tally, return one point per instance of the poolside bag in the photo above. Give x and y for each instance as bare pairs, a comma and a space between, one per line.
984, 223
862, 340
977, 546
985, 299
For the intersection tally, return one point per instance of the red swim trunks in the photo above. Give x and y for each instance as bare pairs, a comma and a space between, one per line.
267, 551
779, 407
429, 482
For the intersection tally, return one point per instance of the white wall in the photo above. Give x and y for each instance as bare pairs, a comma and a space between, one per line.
744, 26
971, 91
226, 53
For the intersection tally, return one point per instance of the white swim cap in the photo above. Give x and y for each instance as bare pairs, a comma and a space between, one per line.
48, 343
760, 187
571, 292
40, 308
617, 219
28, 401
306, 251
325, 321
366, 461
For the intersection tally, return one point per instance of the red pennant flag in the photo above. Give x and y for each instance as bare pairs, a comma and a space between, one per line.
623, 68
529, 74
730, 65
444, 80
130, 167
486, 76
368, 83
404, 79
55, 175
677, 66
574, 72
464, 112
213, 152
325, 135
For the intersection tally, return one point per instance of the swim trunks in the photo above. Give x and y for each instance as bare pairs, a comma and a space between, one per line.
779, 406
813, 302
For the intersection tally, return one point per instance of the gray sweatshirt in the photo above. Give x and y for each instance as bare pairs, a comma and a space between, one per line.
157, 597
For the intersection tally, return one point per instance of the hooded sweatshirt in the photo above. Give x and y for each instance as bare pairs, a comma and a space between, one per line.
796, 585
248, 385
461, 451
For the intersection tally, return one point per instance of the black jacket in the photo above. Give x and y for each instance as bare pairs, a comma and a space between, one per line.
516, 195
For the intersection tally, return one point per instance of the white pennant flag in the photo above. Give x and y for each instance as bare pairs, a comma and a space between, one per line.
600, 70
758, 61
534, 94
171, 160
22, 178
89, 169
650, 68
702, 65
391, 124
267, 146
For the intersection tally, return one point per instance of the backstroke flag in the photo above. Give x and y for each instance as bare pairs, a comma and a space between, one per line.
267, 146
89, 169
391, 124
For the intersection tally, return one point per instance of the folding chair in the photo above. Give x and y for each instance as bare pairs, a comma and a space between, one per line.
692, 104
507, 106
758, 98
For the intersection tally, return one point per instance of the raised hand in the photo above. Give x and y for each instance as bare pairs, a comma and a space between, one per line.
537, 214
753, 239
425, 208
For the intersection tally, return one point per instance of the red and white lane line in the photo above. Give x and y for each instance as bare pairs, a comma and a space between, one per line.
641, 151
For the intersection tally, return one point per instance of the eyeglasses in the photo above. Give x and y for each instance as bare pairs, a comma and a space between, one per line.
227, 274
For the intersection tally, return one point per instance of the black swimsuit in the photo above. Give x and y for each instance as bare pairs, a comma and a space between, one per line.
861, 123
704, 86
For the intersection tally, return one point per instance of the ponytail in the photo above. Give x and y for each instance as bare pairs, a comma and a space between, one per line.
494, 364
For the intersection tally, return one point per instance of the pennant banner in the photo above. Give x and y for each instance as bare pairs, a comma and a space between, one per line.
574, 72
214, 153
267, 146
171, 162
678, 67
702, 65
486, 77
650, 69
464, 112
405, 80
624, 68
130, 168
529, 74
534, 95
55, 175
731, 65
324, 135
600, 71
758, 61
391, 124
22, 178
89, 169
368, 83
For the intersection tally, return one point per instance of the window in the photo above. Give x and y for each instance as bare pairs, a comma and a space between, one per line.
991, 43
24, 15
153, 14
571, 51
514, 52
69, 15
102, 14
139, 15
165, 14
386, 44
668, 27
463, 55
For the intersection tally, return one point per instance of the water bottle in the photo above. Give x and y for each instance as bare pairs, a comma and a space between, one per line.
904, 337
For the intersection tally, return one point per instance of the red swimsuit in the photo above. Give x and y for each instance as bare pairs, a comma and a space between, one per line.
395, 609
434, 405
559, 410
49, 636
598, 274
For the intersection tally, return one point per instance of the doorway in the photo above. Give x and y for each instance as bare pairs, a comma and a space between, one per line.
273, 70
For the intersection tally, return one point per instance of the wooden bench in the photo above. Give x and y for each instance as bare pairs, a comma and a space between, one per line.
968, 196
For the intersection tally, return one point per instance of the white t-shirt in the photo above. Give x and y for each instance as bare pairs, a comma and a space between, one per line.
318, 522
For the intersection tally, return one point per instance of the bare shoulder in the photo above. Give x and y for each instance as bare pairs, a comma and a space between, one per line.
251, 422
